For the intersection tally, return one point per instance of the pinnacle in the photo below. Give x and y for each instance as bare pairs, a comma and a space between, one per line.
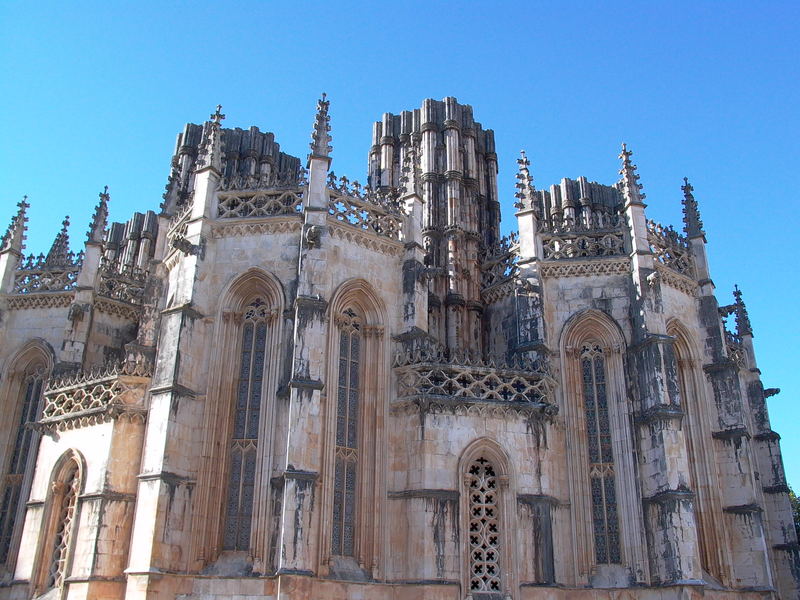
59, 251
630, 186
99, 221
524, 183
14, 237
693, 225
320, 136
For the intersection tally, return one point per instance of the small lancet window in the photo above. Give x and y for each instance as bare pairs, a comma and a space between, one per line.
601, 457
484, 528
346, 451
244, 438
12, 486
65, 502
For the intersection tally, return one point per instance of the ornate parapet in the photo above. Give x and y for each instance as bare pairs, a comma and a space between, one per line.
598, 235
94, 396
123, 283
253, 203
453, 379
286, 179
670, 249
37, 274
365, 209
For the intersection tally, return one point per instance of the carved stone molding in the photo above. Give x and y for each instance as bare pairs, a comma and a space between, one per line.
613, 266
43, 300
364, 239
267, 226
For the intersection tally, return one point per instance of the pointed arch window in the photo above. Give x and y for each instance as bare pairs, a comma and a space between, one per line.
246, 423
12, 495
345, 482
65, 503
605, 520
484, 528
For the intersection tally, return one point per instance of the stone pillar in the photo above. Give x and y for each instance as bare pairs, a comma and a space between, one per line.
298, 547
668, 502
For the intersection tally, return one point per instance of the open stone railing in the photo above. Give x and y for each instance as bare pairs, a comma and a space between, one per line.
109, 390
259, 203
364, 208
592, 236
597, 221
124, 283
442, 376
276, 179
670, 248
36, 274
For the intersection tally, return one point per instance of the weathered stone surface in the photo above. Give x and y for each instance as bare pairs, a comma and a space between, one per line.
288, 385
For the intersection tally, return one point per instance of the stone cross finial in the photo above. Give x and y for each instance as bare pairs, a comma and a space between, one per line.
59, 251
743, 326
14, 237
320, 136
524, 183
97, 226
692, 225
630, 186
217, 117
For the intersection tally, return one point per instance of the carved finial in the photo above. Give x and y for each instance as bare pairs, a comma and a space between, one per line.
692, 225
210, 154
743, 326
217, 117
320, 136
629, 186
524, 183
14, 237
97, 227
59, 251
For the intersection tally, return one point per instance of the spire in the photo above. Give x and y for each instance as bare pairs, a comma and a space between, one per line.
97, 227
630, 186
320, 136
524, 183
59, 251
211, 149
14, 237
692, 225
742, 318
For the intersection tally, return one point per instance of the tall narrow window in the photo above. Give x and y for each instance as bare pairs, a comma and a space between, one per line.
65, 501
244, 438
12, 485
601, 457
484, 529
346, 453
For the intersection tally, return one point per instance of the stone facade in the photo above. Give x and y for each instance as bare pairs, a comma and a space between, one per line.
287, 385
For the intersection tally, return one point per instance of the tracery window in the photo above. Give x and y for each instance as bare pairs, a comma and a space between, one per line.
346, 449
605, 520
484, 528
23, 442
244, 438
65, 502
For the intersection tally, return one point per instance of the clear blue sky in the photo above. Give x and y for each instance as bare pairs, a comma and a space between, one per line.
93, 94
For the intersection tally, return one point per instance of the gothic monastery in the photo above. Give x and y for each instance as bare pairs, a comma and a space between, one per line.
287, 385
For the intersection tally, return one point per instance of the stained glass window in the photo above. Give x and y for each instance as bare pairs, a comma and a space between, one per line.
64, 507
244, 440
601, 457
346, 452
12, 486
484, 528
